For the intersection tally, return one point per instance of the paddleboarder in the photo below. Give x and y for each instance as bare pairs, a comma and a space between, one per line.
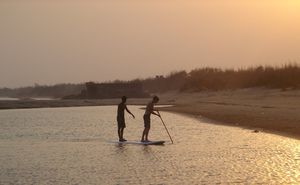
121, 119
149, 110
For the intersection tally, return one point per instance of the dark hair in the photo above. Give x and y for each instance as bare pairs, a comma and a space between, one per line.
155, 98
124, 98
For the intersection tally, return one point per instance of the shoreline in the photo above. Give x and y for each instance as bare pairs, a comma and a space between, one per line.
213, 120
32, 104
271, 111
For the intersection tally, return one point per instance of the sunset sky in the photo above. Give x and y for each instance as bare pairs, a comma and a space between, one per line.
56, 41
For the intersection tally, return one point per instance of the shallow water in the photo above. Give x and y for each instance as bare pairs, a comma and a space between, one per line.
74, 146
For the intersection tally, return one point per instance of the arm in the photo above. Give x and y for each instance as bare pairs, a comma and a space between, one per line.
129, 112
151, 109
157, 114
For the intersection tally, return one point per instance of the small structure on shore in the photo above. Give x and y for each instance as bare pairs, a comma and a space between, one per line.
111, 90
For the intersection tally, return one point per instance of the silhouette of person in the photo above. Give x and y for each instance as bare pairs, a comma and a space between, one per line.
149, 110
121, 119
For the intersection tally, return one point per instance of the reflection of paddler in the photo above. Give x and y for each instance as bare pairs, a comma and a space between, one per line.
121, 119
149, 110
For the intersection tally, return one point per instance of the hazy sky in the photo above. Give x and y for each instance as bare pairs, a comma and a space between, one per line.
56, 41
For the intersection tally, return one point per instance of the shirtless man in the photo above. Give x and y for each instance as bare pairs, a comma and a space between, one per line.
149, 110
121, 119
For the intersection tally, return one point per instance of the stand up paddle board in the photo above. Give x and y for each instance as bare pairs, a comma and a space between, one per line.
141, 143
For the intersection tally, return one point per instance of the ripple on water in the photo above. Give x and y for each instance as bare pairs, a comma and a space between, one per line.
73, 146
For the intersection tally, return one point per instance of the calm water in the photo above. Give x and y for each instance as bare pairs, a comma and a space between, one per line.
73, 146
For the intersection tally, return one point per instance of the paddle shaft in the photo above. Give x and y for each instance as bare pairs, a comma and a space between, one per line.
165, 128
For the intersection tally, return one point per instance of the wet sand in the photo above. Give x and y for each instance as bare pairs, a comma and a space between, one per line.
266, 110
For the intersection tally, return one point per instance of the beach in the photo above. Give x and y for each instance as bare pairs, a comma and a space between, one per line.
275, 111
267, 110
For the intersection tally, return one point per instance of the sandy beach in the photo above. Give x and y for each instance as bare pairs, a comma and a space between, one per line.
266, 110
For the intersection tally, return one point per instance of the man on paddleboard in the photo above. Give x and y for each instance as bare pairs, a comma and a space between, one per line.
149, 110
121, 119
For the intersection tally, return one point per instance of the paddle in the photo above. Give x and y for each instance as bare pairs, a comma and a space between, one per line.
165, 126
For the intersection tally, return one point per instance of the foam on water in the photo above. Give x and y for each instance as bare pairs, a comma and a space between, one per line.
70, 146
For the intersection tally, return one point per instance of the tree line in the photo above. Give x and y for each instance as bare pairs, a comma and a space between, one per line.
283, 77
53, 91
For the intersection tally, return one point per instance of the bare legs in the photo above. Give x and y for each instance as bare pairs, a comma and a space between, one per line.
120, 133
145, 135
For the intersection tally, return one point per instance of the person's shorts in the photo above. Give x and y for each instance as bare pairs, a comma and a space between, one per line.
121, 122
147, 121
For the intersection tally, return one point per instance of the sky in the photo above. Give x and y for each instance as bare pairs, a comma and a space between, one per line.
74, 41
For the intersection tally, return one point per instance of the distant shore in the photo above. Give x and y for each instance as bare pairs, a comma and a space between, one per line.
265, 110
29, 104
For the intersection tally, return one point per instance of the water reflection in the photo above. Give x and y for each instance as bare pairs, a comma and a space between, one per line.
75, 146
148, 152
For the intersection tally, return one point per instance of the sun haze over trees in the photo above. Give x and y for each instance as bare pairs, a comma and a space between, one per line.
284, 77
